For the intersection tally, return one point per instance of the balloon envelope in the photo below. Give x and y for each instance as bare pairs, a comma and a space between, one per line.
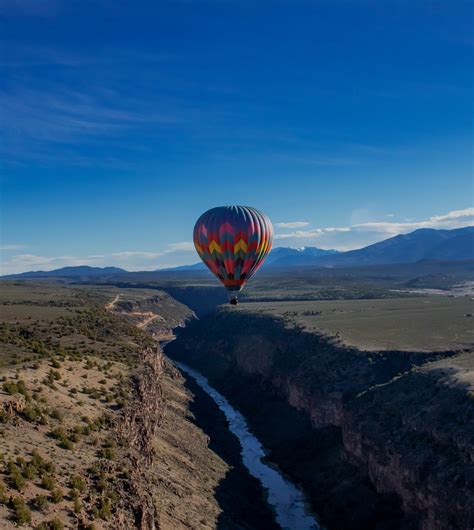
233, 242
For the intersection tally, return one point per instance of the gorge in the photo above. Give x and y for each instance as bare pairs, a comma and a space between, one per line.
374, 438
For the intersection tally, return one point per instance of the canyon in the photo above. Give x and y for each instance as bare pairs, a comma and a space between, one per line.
375, 439
380, 440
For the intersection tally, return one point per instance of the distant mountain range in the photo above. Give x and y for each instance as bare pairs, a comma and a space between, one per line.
288, 257
423, 244
66, 272
279, 257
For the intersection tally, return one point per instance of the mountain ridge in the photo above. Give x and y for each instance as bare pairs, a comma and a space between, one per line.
420, 245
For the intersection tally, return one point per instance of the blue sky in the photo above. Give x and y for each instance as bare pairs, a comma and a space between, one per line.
346, 122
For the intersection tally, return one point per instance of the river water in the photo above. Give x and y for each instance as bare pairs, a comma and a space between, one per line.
287, 500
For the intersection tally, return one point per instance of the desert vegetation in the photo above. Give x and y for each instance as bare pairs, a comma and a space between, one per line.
66, 383
96, 426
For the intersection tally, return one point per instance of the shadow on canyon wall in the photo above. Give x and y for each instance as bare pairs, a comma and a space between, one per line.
373, 437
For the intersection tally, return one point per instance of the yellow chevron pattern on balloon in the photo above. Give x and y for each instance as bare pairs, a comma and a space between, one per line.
240, 245
214, 246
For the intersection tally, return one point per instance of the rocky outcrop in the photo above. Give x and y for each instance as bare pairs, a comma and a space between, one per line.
158, 315
138, 428
379, 440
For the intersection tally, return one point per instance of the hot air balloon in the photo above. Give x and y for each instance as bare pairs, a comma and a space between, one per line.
233, 242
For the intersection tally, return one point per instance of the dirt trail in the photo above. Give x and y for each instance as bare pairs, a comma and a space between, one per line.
141, 325
148, 316
110, 306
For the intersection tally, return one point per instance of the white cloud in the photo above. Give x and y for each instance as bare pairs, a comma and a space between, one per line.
339, 237
314, 232
175, 254
455, 214
134, 254
183, 245
360, 234
292, 224
454, 219
7, 248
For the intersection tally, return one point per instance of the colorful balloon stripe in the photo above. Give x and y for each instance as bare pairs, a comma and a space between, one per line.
233, 241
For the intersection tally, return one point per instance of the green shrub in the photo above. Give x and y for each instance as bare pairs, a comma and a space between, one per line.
78, 483
37, 459
59, 433
77, 506
21, 387
94, 469
54, 524
86, 430
48, 467
10, 387
40, 502
19, 482
17, 479
30, 470
66, 444
48, 482
105, 508
102, 484
21, 513
56, 414
57, 495
3, 494
33, 414
108, 453
38, 347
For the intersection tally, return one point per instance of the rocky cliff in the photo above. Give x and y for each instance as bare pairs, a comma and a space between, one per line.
157, 314
381, 440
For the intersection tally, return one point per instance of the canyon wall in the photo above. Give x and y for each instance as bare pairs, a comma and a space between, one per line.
381, 440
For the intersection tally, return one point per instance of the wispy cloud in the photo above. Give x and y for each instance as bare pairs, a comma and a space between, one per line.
136, 254
173, 254
359, 234
183, 245
55, 114
182, 252
319, 161
8, 248
22, 55
292, 224
85, 113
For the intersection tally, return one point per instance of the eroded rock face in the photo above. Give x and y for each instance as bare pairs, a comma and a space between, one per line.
379, 440
158, 315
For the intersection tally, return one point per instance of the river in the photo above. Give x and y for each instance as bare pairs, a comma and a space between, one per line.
287, 500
